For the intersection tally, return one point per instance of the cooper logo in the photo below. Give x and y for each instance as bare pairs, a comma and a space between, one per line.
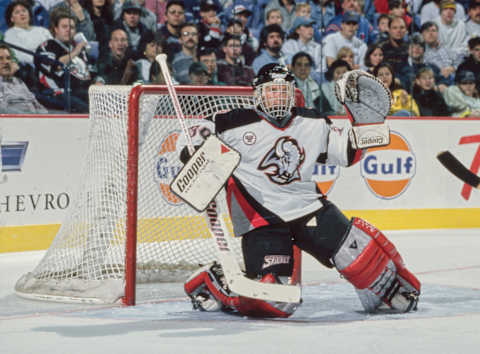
249, 138
272, 260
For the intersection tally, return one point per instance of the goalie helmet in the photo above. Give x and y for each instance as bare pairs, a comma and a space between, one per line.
275, 92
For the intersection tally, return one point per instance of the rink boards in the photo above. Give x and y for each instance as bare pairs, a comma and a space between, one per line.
401, 186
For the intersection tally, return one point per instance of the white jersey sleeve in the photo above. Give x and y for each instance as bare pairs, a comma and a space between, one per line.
337, 149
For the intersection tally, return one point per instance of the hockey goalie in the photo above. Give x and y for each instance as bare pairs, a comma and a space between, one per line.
274, 204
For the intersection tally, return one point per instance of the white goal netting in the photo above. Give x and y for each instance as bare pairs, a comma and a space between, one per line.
86, 261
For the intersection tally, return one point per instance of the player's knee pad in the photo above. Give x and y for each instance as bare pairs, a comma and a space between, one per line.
369, 261
208, 291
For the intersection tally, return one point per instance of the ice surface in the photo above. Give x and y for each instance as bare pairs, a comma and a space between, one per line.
330, 320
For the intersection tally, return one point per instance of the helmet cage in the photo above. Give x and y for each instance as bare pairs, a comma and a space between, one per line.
276, 97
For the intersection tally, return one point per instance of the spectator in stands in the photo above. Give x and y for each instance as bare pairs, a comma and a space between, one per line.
15, 97
242, 14
435, 53
329, 101
147, 17
151, 47
230, 70
365, 30
462, 97
472, 62
373, 57
395, 50
287, 7
431, 11
117, 67
452, 33
209, 26
416, 61
402, 103
346, 38
301, 40
187, 55
429, 100
175, 18
397, 9
40, 15
301, 66
323, 11
207, 56
473, 22
59, 57
271, 42
82, 17
21, 32
235, 27
382, 28
274, 16
101, 13
198, 74
346, 54
136, 31
159, 8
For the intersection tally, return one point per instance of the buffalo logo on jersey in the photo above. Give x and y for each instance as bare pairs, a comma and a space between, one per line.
282, 163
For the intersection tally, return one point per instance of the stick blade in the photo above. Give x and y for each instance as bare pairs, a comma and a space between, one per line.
452, 164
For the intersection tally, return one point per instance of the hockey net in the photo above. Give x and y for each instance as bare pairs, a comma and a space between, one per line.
125, 226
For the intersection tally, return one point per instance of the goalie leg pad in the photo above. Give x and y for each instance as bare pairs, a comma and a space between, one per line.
369, 261
209, 292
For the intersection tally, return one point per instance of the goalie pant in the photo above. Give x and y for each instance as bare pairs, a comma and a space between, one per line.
365, 257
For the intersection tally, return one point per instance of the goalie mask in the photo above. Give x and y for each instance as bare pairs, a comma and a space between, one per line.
275, 93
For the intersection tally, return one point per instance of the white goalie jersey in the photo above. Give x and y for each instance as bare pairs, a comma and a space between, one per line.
273, 182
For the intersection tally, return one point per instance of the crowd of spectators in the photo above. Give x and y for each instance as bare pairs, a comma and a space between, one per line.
426, 51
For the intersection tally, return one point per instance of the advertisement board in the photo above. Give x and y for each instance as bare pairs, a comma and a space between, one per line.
401, 186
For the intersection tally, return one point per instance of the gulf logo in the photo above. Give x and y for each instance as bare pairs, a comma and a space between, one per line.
167, 165
325, 176
388, 170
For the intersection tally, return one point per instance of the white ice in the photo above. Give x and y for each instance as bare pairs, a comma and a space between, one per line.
330, 320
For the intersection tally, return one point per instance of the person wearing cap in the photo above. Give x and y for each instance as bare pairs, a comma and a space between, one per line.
431, 11
462, 97
472, 62
435, 53
270, 50
301, 40
209, 26
452, 33
365, 30
473, 22
82, 17
287, 7
136, 31
346, 38
231, 70
174, 19
198, 74
241, 14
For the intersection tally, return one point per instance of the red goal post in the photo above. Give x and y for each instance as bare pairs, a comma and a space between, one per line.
125, 226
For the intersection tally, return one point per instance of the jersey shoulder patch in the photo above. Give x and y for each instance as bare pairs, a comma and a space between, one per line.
235, 118
309, 113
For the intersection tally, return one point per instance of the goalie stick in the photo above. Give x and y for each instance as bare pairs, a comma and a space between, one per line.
452, 164
235, 278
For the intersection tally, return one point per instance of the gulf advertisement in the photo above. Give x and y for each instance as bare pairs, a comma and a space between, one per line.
399, 186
